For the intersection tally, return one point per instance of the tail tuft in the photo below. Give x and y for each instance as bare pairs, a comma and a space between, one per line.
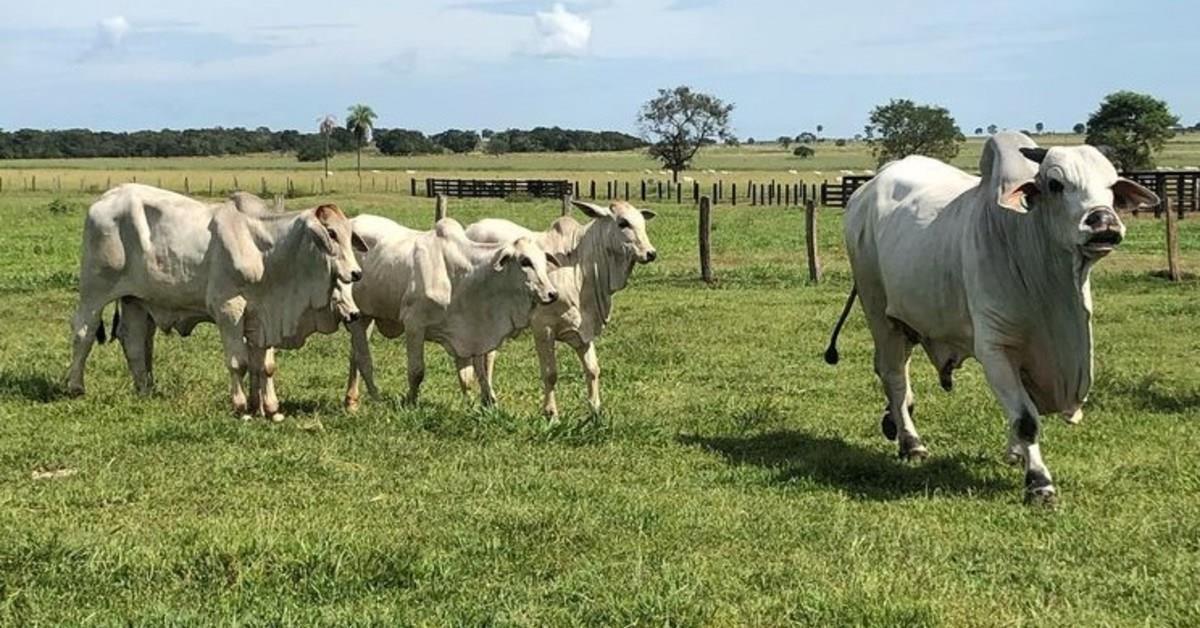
101, 337
831, 355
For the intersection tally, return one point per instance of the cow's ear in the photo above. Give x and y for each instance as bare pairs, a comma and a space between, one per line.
325, 213
1034, 154
1128, 196
1018, 198
592, 210
501, 259
358, 243
556, 260
320, 235
647, 214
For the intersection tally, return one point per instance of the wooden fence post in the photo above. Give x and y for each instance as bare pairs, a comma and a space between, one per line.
33, 178
678, 193
696, 191
810, 241
1173, 272
733, 193
626, 190
716, 196
210, 186
264, 185
706, 240
187, 188
659, 185
439, 208
592, 191
643, 190
566, 204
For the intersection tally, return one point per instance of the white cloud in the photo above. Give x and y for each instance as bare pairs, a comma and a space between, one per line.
562, 33
112, 31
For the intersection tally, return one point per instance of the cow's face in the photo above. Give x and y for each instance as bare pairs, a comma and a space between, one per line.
343, 303
526, 257
332, 233
1079, 194
625, 227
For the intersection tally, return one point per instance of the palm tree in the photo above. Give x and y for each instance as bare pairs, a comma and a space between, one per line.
359, 121
327, 124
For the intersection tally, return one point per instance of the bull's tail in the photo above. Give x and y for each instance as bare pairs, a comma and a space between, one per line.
831, 352
102, 337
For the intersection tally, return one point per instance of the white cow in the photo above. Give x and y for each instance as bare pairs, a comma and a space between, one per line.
266, 279
599, 258
994, 267
441, 287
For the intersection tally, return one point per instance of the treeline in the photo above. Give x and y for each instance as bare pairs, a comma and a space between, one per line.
218, 141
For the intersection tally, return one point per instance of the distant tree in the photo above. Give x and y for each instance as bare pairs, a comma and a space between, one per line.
820, 128
457, 141
902, 127
404, 142
679, 121
312, 148
487, 134
496, 146
804, 152
993, 129
978, 130
784, 141
1134, 126
858, 137
806, 137
325, 126
1079, 128
840, 142
732, 141
360, 119
750, 141
1039, 127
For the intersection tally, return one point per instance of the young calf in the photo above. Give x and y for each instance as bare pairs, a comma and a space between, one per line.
599, 258
438, 286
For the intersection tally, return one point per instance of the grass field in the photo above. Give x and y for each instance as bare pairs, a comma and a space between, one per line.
734, 478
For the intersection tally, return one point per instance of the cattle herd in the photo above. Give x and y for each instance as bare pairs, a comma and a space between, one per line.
994, 267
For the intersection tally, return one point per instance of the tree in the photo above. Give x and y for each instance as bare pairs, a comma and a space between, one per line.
784, 141
1039, 127
325, 125
820, 128
732, 141
457, 141
993, 129
806, 137
487, 134
679, 121
803, 152
1079, 128
978, 130
750, 141
497, 146
902, 128
404, 142
360, 119
1134, 126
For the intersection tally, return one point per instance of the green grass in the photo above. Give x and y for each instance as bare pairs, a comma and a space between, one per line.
734, 478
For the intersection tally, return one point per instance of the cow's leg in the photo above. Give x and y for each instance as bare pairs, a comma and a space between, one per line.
237, 358
414, 343
591, 373
1024, 424
548, 364
466, 374
84, 326
360, 362
136, 333
893, 351
483, 373
269, 400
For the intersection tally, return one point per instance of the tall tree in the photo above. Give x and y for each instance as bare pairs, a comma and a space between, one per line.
679, 121
360, 119
978, 130
1039, 127
902, 128
1079, 128
1134, 126
326, 124
784, 141
993, 129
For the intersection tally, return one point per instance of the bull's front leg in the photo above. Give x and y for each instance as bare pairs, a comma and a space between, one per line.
264, 364
414, 343
548, 364
361, 366
1024, 424
591, 374
237, 359
483, 373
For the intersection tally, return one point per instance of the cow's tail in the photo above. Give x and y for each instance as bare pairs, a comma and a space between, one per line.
831, 352
101, 337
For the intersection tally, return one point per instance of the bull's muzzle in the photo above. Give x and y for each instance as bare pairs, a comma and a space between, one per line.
1105, 231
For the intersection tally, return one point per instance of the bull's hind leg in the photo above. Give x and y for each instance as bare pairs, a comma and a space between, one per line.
893, 352
86, 329
136, 333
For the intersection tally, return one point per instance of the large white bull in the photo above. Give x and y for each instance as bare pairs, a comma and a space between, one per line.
994, 267
599, 258
266, 279
438, 286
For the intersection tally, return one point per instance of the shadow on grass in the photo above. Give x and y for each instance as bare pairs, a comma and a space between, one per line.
863, 473
1151, 393
31, 386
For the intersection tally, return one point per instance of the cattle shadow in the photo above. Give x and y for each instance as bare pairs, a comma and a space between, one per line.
861, 472
31, 386
1152, 393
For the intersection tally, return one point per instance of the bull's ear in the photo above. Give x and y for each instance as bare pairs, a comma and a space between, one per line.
1128, 195
647, 214
592, 210
555, 260
320, 235
1036, 155
1019, 197
358, 243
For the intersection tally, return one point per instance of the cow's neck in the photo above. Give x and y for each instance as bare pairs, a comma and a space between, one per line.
603, 272
295, 280
508, 306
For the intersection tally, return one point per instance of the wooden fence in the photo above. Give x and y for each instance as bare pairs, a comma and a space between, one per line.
497, 188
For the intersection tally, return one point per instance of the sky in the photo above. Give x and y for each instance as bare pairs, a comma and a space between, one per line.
787, 66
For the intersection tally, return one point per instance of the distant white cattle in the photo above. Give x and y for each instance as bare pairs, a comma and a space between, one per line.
599, 258
266, 279
439, 286
995, 268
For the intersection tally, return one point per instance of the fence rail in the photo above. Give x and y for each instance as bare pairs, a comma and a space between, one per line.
497, 188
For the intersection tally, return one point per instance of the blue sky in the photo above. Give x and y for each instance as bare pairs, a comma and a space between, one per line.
434, 64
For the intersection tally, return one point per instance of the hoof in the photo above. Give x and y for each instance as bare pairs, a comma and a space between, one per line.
888, 426
1041, 496
1073, 418
1013, 457
246, 417
277, 417
75, 392
913, 450
351, 405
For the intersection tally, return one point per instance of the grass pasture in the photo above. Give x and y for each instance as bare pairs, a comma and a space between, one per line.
734, 479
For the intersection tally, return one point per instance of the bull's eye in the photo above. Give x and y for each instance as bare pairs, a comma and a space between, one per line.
1056, 186
526, 262
622, 223
333, 236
